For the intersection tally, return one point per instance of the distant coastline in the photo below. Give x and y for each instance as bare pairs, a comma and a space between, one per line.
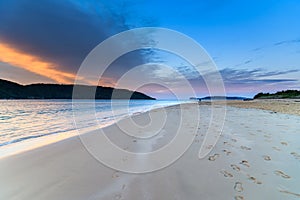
221, 98
285, 94
224, 98
12, 90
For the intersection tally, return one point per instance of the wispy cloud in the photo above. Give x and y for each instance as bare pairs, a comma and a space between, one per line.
230, 75
278, 43
287, 42
242, 81
244, 76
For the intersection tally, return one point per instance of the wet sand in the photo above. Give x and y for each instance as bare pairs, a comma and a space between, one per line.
256, 157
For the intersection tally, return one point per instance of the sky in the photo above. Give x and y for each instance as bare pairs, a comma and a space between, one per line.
254, 44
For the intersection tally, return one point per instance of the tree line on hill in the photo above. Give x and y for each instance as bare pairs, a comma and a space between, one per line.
11, 90
285, 94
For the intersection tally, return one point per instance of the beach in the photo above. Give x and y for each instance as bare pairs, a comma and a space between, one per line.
257, 156
287, 106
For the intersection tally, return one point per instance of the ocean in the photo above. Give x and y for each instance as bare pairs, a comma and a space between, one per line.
27, 119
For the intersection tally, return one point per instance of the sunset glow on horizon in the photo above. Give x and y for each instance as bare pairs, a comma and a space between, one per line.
33, 64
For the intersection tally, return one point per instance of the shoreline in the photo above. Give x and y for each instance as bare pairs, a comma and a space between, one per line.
37, 142
284, 106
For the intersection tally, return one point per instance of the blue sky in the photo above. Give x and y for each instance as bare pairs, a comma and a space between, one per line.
255, 44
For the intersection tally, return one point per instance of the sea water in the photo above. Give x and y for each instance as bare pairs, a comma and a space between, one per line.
27, 119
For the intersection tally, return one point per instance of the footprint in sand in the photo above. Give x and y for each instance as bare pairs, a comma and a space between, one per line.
226, 174
238, 198
118, 196
126, 148
124, 159
238, 186
284, 143
268, 140
267, 158
245, 148
282, 174
296, 155
123, 186
276, 148
235, 167
227, 143
245, 163
115, 175
213, 157
254, 179
226, 152
267, 136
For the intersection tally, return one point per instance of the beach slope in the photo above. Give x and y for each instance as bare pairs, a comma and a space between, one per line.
256, 157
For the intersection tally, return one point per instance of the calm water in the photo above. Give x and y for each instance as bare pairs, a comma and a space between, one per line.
26, 119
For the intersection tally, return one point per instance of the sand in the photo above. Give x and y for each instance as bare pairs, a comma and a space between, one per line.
256, 157
287, 106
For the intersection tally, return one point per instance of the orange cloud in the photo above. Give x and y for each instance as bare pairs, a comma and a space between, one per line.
33, 64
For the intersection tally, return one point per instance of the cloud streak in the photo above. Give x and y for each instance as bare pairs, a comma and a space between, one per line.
243, 76
33, 64
287, 42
